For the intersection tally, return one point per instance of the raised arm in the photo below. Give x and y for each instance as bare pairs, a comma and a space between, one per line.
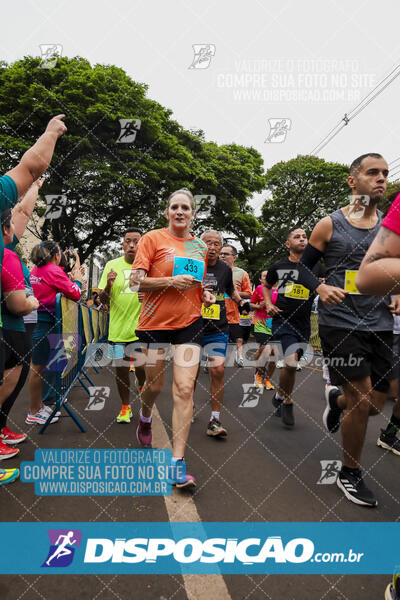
36, 160
22, 211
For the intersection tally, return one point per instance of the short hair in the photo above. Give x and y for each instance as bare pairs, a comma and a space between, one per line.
185, 191
290, 231
232, 247
43, 253
356, 164
6, 218
132, 230
213, 231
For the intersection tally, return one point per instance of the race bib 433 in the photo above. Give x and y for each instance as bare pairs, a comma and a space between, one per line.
189, 266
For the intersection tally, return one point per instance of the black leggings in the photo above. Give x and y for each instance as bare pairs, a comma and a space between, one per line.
9, 402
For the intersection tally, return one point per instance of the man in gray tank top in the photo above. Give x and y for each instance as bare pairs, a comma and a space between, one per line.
356, 330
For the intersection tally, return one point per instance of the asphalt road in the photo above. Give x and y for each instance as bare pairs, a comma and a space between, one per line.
260, 472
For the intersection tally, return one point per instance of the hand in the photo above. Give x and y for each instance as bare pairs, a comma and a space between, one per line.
39, 182
111, 277
261, 305
272, 310
330, 294
56, 125
395, 305
33, 303
207, 297
182, 282
244, 307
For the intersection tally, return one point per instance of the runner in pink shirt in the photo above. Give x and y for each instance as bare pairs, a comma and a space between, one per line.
263, 333
47, 280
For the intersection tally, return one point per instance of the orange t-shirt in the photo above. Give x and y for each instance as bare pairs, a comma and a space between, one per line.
162, 254
241, 281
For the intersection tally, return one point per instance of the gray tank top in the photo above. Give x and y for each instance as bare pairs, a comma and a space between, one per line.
343, 257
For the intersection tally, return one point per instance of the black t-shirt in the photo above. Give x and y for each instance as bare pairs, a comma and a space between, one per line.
219, 282
294, 298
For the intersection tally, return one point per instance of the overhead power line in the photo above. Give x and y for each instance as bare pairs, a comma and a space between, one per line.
378, 89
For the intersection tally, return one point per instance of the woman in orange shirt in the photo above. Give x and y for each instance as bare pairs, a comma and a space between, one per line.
170, 265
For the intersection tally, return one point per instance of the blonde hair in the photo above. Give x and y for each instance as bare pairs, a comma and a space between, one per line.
187, 193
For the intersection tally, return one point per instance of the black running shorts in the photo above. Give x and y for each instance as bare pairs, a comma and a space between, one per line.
352, 355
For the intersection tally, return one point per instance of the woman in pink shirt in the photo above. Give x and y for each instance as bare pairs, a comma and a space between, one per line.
263, 333
47, 280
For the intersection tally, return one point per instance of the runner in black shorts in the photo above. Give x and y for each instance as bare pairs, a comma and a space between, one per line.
356, 330
215, 339
290, 317
175, 264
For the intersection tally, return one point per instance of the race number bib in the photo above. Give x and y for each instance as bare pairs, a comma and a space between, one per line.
210, 312
189, 266
350, 282
296, 291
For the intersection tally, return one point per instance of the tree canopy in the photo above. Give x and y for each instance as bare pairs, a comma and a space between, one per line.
109, 184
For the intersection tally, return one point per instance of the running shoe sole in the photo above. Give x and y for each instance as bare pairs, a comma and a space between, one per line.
13, 442
187, 484
5, 456
12, 478
327, 410
386, 446
223, 433
352, 498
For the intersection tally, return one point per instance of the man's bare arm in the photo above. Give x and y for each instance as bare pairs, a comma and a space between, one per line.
36, 160
379, 273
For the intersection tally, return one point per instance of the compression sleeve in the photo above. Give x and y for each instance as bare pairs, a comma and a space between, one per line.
309, 259
311, 256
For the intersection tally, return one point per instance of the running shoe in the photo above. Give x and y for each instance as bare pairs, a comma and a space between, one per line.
10, 437
239, 360
7, 452
389, 441
298, 367
215, 429
124, 414
143, 433
332, 413
352, 485
287, 414
390, 593
280, 364
184, 480
49, 409
277, 403
258, 381
268, 384
8, 475
40, 417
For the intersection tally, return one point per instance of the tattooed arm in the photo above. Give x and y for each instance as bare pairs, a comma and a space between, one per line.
379, 273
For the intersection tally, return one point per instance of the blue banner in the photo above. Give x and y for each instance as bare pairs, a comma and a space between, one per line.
83, 472
207, 548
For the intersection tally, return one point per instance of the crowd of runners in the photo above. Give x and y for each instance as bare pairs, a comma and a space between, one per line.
173, 289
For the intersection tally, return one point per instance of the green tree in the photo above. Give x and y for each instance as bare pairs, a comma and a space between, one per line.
110, 184
302, 191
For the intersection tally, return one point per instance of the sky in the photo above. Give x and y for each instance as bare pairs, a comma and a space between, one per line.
277, 76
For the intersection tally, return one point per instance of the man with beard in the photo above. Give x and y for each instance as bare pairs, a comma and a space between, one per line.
356, 330
290, 316
125, 309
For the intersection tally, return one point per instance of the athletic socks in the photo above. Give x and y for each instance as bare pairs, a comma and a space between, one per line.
144, 419
214, 415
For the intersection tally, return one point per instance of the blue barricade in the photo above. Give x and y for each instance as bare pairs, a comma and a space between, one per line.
78, 327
